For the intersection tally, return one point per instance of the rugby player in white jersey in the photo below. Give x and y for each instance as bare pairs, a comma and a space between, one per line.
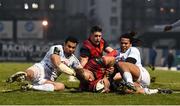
130, 63
128, 59
59, 59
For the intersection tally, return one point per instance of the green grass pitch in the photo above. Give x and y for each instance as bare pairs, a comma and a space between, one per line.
164, 79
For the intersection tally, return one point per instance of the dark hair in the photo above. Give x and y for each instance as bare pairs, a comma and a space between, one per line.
130, 36
96, 29
71, 39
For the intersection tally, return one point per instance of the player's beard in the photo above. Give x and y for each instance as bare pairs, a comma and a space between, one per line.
67, 54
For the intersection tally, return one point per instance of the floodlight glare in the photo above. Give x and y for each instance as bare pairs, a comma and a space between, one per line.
44, 22
34, 5
26, 6
51, 6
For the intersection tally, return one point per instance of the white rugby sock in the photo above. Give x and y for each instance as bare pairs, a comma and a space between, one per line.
128, 77
44, 87
150, 91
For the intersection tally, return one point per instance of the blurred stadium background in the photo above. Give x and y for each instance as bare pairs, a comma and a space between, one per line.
29, 27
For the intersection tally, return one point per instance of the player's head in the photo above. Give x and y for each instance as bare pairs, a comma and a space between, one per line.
96, 35
125, 41
70, 45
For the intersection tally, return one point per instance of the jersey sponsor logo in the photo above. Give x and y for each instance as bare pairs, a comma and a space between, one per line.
54, 76
56, 51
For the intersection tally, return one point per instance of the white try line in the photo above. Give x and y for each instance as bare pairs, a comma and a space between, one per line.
174, 83
6, 90
176, 91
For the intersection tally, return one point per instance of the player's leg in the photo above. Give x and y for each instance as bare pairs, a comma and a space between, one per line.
18, 76
141, 90
148, 91
49, 86
145, 90
30, 73
129, 71
21, 76
117, 77
37, 76
144, 78
59, 86
115, 81
46, 86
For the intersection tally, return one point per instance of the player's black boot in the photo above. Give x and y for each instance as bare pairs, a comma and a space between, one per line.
19, 77
165, 91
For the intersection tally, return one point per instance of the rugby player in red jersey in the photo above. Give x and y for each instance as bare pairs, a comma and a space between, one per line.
93, 48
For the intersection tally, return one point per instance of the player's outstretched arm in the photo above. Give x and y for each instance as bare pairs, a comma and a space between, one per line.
61, 66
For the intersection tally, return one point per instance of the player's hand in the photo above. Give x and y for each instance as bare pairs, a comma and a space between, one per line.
167, 28
88, 75
105, 90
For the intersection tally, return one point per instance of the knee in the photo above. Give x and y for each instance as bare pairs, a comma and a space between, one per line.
59, 87
117, 77
30, 74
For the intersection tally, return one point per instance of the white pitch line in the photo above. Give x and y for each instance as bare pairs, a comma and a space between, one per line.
167, 83
4, 91
176, 91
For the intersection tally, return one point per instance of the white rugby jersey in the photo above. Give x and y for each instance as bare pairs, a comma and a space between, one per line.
131, 52
50, 72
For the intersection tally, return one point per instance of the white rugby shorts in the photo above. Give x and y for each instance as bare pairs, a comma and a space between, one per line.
39, 74
144, 78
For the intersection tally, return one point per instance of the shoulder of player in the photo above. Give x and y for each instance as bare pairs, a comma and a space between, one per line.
134, 49
60, 47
